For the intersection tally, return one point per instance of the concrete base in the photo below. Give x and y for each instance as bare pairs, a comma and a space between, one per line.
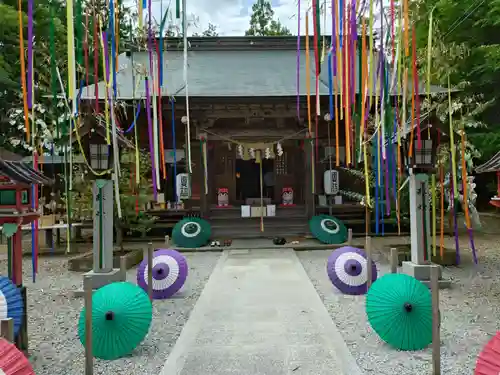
101, 279
422, 272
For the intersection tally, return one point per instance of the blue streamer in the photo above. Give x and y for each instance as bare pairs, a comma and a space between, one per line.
175, 150
341, 8
330, 83
375, 171
137, 113
33, 236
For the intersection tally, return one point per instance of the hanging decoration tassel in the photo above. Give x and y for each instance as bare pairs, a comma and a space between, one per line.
150, 134
174, 147
454, 213
298, 60
96, 58
465, 199
452, 143
185, 75
308, 77
23, 72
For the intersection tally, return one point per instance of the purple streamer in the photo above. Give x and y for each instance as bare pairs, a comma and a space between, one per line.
455, 225
353, 63
150, 40
334, 40
30, 54
298, 62
150, 133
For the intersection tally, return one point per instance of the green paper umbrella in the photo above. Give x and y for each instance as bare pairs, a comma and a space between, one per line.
191, 232
399, 309
328, 229
121, 316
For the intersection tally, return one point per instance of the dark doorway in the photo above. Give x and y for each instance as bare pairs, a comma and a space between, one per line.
248, 179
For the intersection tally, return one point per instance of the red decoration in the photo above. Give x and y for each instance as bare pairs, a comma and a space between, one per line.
287, 197
488, 361
13, 361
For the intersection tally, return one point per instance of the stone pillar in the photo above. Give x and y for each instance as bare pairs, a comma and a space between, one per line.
103, 201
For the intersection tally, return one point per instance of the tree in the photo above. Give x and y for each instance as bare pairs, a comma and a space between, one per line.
262, 22
211, 30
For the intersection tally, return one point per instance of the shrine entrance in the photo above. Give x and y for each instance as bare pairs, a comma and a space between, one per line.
248, 179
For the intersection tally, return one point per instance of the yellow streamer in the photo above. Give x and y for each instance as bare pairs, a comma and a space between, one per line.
452, 143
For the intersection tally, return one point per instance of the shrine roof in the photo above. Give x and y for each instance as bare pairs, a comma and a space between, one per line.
229, 67
22, 172
492, 165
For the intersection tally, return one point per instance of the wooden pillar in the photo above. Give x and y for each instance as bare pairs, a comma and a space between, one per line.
203, 189
309, 164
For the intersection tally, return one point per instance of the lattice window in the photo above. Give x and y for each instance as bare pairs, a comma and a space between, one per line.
281, 164
99, 156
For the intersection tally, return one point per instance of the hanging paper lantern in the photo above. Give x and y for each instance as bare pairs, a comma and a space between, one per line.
240, 151
252, 153
267, 153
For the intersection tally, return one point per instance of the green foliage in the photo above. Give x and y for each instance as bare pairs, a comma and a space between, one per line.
134, 197
262, 22
465, 48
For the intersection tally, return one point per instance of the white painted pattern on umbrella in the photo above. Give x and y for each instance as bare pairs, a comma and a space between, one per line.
344, 276
195, 233
3, 308
328, 230
173, 272
1, 372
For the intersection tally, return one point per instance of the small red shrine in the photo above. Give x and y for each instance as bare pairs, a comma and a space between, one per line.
16, 181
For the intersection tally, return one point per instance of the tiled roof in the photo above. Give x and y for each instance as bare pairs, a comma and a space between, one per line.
225, 71
23, 173
492, 165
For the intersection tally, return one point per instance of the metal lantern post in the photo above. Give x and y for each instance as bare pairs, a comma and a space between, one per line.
420, 163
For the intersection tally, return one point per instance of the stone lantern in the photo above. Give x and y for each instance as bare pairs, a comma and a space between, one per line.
419, 164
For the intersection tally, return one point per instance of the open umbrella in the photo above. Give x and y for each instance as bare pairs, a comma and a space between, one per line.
13, 361
328, 229
347, 270
11, 303
488, 361
170, 271
399, 309
191, 232
121, 316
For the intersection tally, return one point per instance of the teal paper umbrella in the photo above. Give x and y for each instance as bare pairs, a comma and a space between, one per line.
191, 232
399, 309
121, 317
328, 229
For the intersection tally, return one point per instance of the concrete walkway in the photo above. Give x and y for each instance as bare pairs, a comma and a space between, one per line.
259, 314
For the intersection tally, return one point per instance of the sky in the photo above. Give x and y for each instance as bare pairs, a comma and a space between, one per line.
232, 17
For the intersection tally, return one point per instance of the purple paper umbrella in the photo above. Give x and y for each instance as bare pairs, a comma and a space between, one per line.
347, 269
169, 273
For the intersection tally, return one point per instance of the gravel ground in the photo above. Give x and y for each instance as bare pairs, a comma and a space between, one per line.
55, 348
470, 311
